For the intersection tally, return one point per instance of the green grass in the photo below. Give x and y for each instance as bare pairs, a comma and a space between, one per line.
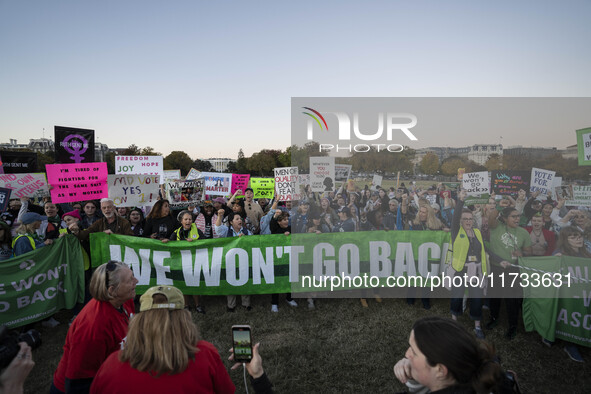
341, 347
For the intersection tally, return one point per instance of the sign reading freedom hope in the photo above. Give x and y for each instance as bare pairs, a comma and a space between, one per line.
77, 182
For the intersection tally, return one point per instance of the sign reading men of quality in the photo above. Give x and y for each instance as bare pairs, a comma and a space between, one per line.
77, 182
140, 165
25, 185
35, 285
584, 146
133, 190
541, 180
477, 187
286, 179
73, 145
322, 174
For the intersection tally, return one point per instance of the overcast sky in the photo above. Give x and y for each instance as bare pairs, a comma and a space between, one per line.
211, 77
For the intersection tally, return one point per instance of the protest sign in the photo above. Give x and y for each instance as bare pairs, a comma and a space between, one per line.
140, 165
461, 172
342, 172
263, 187
4, 198
376, 182
564, 192
558, 311
133, 190
477, 187
217, 183
172, 175
14, 162
25, 185
322, 174
37, 284
581, 196
77, 182
182, 194
73, 145
302, 183
541, 180
286, 179
584, 146
239, 182
193, 174
507, 182
557, 182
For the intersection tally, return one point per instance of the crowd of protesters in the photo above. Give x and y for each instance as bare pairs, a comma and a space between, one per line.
485, 237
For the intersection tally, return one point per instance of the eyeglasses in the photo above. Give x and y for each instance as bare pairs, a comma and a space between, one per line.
576, 236
468, 219
111, 266
514, 216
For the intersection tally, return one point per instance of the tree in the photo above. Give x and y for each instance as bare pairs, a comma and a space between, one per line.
132, 150
45, 158
110, 159
450, 165
300, 156
494, 162
263, 162
178, 160
203, 165
429, 164
149, 151
382, 161
241, 166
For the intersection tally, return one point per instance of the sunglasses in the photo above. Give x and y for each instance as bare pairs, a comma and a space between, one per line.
111, 266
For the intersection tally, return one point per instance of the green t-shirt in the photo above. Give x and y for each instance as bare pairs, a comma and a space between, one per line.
504, 240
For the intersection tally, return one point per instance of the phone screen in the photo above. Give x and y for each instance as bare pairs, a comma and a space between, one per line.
242, 343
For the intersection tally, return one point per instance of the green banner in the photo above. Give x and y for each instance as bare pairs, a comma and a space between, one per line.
558, 310
37, 284
584, 146
265, 264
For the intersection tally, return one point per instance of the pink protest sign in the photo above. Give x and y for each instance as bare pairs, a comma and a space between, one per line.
239, 181
77, 182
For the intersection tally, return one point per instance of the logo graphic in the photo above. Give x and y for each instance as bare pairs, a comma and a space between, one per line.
316, 119
76, 148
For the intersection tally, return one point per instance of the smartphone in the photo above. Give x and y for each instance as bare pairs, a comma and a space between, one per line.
242, 341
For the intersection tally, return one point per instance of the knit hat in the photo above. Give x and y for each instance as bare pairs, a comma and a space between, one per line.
74, 214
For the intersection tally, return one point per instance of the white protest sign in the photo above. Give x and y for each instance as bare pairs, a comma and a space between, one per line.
581, 196
25, 185
556, 184
322, 174
133, 190
376, 181
302, 182
181, 193
193, 174
171, 175
476, 183
217, 183
286, 183
541, 180
140, 165
342, 172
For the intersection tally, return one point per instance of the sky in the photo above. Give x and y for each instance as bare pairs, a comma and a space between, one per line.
211, 78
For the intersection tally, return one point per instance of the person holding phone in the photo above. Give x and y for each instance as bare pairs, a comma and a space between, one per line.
163, 353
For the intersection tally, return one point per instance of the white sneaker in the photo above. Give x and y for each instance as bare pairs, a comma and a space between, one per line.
274, 308
50, 323
292, 303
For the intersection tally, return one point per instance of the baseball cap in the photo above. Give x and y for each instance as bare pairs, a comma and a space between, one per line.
32, 217
172, 294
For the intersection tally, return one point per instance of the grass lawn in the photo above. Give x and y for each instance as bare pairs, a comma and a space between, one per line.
341, 347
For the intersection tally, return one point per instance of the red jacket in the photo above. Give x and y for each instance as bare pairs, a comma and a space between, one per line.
550, 239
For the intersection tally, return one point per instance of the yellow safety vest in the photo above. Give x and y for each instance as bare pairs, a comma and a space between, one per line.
193, 233
31, 240
460, 250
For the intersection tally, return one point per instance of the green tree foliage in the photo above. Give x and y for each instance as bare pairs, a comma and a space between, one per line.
241, 163
178, 160
300, 156
494, 162
383, 161
429, 164
110, 159
204, 166
45, 158
132, 150
262, 163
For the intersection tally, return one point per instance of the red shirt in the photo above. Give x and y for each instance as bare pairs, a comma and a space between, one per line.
98, 330
205, 374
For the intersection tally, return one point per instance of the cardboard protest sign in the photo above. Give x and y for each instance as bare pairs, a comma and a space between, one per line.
557, 182
581, 196
25, 185
140, 165
342, 172
181, 193
477, 187
507, 182
73, 145
133, 190
172, 175
302, 183
564, 192
4, 198
14, 162
584, 146
377, 180
541, 180
322, 174
286, 179
263, 187
77, 181
239, 182
193, 174
217, 183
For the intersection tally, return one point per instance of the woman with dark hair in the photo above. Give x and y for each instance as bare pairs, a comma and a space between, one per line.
163, 352
98, 330
89, 215
280, 225
159, 223
137, 221
445, 358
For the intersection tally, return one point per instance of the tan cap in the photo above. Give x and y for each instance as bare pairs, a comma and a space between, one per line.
172, 294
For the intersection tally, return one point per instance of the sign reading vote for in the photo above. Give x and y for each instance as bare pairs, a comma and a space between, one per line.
541, 180
25, 185
77, 182
134, 190
140, 165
